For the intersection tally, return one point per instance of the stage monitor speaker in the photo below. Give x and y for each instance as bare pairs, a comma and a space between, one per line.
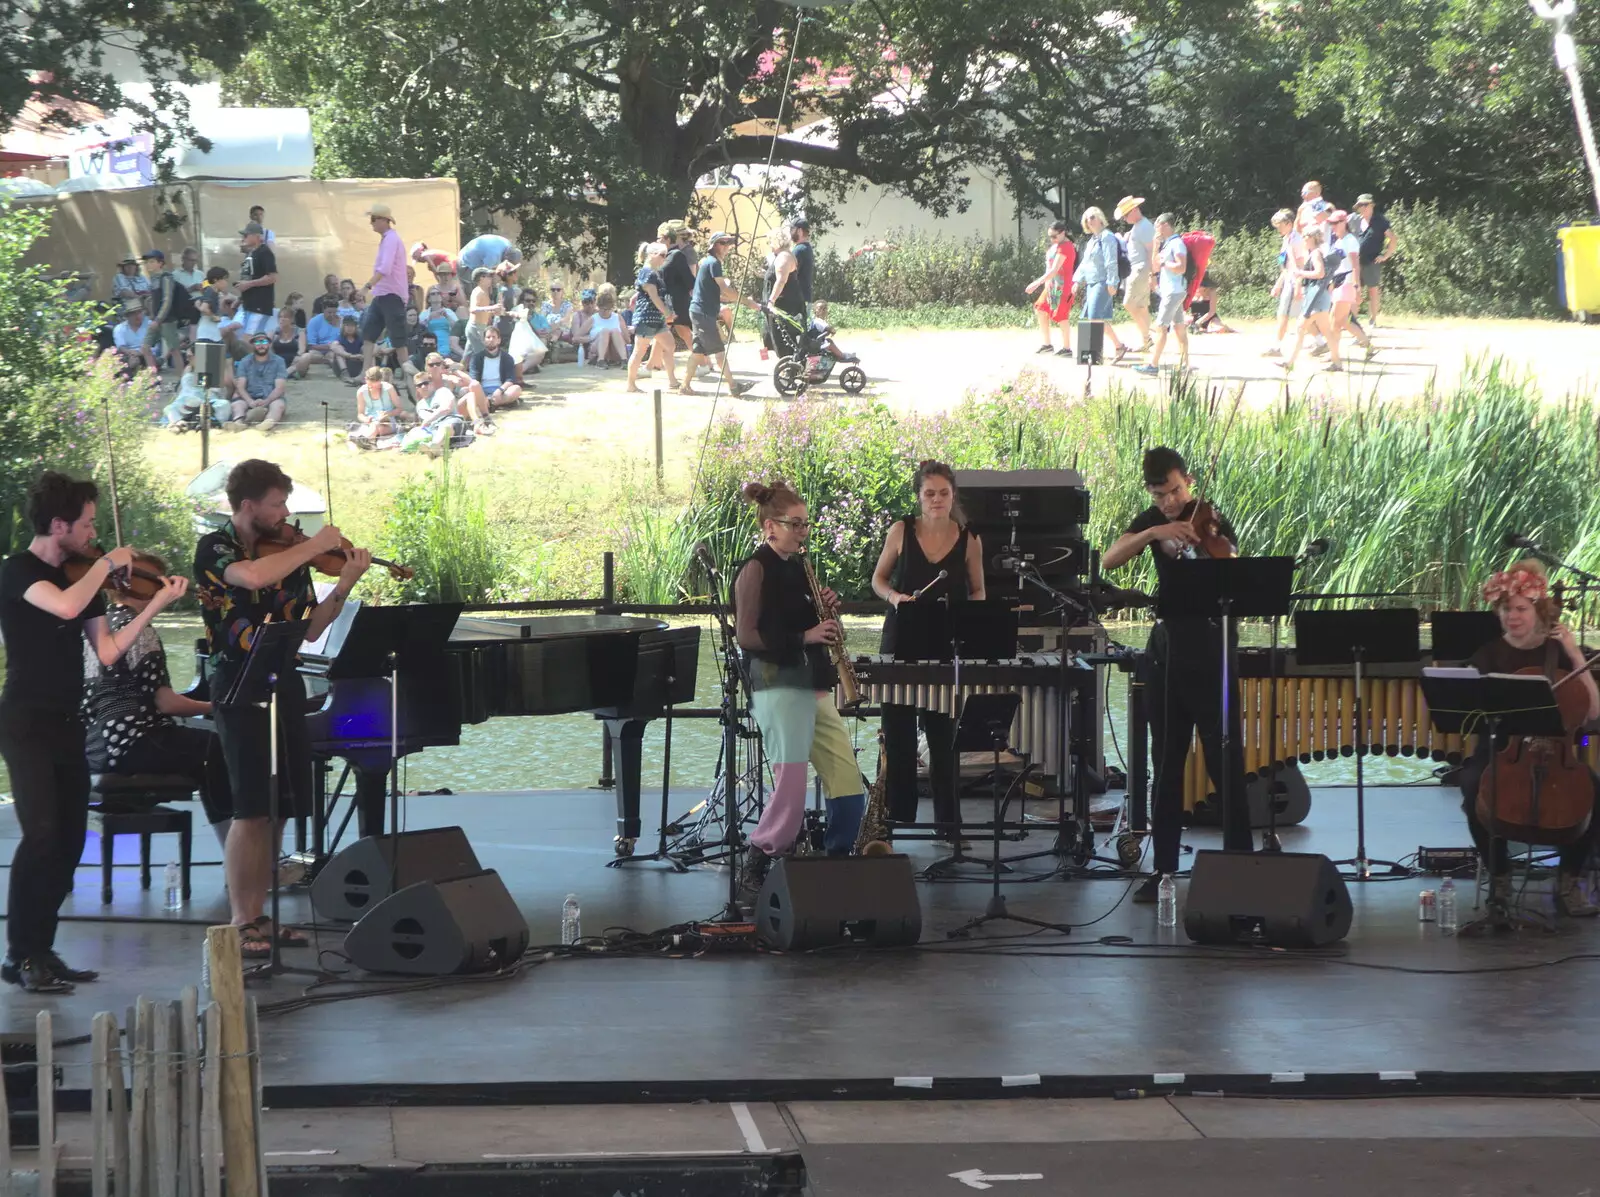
208, 363
819, 901
1091, 338
1286, 788
1286, 899
435, 928
372, 868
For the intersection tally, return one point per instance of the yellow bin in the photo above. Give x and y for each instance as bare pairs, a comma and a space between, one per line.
1580, 256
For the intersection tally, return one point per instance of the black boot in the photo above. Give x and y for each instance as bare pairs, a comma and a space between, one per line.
34, 975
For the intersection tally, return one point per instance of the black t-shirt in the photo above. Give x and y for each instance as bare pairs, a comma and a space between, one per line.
677, 275
805, 269
1498, 656
44, 655
1372, 237
1185, 637
259, 263
1151, 517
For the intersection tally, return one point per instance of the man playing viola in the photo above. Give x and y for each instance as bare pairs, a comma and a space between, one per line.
1532, 637
1184, 659
240, 590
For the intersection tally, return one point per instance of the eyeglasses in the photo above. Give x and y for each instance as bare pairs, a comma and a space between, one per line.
797, 525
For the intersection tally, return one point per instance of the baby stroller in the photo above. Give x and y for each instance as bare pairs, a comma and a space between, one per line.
813, 360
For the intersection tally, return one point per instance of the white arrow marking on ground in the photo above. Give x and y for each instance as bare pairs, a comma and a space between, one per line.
977, 1178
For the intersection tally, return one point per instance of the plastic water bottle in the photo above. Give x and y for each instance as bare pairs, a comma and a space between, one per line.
1167, 902
1447, 908
571, 926
580, 355
174, 886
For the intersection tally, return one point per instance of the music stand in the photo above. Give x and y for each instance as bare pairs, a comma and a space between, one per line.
1380, 637
273, 648
1224, 588
1459, 634
1461, 702
985, 726
386, 642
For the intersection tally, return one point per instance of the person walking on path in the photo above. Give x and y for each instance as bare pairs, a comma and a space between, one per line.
1054, 304
1099, 277
1140, 240
388, 287
1170, 287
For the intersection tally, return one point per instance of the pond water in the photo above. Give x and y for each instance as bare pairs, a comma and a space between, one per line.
563, 751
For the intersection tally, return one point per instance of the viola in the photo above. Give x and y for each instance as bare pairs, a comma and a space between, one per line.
1208, 524
136, 582
1536, 790
289, 536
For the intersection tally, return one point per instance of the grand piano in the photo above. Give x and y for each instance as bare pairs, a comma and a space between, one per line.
624, 669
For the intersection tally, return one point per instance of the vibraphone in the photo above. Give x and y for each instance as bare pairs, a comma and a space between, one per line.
1316, 719
1036, 677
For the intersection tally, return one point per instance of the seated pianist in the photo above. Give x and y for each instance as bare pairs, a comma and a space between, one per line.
1532, 636
129, 710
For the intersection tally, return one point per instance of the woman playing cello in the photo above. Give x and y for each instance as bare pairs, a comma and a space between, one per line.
1532, 637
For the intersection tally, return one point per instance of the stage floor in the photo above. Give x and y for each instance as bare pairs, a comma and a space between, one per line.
1116, 1004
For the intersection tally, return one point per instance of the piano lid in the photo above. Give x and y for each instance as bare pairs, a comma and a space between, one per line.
471, 630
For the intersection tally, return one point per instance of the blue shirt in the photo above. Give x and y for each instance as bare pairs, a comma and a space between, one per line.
1099, 265
261, 374
321, 331
488, 250
707, 295
1173, 253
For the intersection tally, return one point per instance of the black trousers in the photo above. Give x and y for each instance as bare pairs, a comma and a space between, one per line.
44, 750
1492, 849
190, 752
900, 763
1185, 696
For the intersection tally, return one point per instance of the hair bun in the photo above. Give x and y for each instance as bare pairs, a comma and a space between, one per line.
757, 492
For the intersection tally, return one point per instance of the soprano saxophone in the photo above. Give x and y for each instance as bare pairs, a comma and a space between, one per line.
836, 652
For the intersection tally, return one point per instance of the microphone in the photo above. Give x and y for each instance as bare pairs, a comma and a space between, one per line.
1516, 540
1316, 548
916, 594
1004, 561
702, 554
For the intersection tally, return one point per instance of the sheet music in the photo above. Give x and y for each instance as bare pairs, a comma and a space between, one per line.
332, 639
1455, 671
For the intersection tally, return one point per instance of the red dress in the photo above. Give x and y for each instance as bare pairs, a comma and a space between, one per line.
1055, 297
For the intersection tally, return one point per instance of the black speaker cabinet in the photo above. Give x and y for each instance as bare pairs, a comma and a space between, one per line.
436, 928
1286, 788
208, 362
1091, 338
1287, 899
818, 901
360, 876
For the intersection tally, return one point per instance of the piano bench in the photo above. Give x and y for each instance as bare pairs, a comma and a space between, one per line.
130, 804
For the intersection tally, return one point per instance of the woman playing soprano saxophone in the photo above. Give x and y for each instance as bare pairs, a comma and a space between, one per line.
791, 685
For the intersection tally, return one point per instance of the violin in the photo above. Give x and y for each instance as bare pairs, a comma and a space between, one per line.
1208, 525
289, 536
1536, 789
135, 582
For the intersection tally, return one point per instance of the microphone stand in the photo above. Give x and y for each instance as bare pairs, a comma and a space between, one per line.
1585, 581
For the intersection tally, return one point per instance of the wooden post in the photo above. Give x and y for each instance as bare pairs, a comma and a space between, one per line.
44, 1035
139, 1118
99, 1110
211, 1105
163, 1120
240, 1150
189, 1094
121, 1171
659, 463
253, 1037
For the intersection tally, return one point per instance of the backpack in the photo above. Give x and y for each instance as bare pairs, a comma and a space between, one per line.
184, 308
1124, 263
1198, 245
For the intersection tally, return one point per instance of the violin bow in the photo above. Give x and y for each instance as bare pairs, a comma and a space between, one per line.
111, 472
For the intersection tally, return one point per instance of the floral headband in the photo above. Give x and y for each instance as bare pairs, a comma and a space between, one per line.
1515, 583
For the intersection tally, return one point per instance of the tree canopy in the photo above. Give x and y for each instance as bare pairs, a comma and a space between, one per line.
590, 120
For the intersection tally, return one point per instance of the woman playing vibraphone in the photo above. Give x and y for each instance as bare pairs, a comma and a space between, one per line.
935, 555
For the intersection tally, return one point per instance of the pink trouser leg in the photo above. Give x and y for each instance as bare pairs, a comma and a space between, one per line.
786, 807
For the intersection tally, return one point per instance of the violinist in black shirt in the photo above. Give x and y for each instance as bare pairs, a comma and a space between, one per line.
45, 618
1184, 693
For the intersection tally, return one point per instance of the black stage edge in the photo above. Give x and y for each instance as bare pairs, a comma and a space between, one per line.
1125, 1086
775, 1175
